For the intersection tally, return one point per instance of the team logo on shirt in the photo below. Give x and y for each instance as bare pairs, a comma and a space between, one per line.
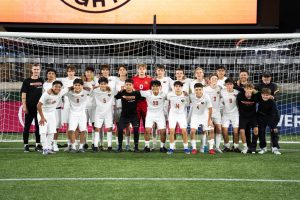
182, 100
202, 102
95, 6
164, 81
109, 95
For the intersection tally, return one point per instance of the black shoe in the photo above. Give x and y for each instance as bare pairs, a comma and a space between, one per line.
92, 146
163, 150
236, 150
39, 148
26, 149
95, 149
119, 150
250, 151
136, 150
101, 148
146, 150
85, 146
109, 149
226, 149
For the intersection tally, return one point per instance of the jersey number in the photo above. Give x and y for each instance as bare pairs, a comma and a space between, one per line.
77, 100
177, 105
155, 103
215, 98
230, 100
141, 87
104, 100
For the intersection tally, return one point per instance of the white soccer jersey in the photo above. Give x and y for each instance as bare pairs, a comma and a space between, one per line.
112, 84
155, 104
77, 101
228, 99
214, 95
186, 85
200, 105
90, 103
221, 82
120, 85
103, 100
178, 104
193, 82
166, 84
47, 85
49, 101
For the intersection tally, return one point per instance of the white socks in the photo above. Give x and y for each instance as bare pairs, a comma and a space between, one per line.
109, 139
147, 144
96, 139
127, 140
193, 142
203, 140
211, 144
172, 145
218, 140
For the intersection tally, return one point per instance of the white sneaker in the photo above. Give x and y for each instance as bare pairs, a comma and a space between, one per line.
275, 151
245, 150
45, 151
50, 151
262, 151
202, 149
55, 148
218, 150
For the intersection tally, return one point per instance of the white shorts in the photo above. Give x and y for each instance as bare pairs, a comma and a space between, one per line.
232, 119
77, 120
216, 117
65, 115
160, 120
106, 119
175, 118
90, 113
50, 125
58, 118
197, 120
166, 109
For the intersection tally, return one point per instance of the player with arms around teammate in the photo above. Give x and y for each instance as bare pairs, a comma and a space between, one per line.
214, 92
130, 100
31, 91
155, 114
103, 113
230, 115
51, 77
267, 116
246, 102
77, 117
201, 113
178, 101
47, 116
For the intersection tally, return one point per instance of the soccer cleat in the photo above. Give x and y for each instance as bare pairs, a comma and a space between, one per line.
50, 151
109, 149
226, 149
218, 150
194, 151
95, 149
85, 146
146, 150
81, 150
73, 150
26, 149
262, 151
170, 152
101, 148
136, 150
212, 152
206, 149
275, 151
127, 148
68, 148
245, 150
163, 150
119, 150
236, 150
45, 152
39, 148
55, 148
187, 151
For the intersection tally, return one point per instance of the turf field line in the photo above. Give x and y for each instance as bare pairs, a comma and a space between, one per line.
151, 179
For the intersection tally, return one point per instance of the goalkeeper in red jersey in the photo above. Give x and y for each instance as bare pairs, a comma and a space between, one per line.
142, 83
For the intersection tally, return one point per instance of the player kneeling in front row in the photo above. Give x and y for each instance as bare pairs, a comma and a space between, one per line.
267, 116
47, 117
155, 114
103, 114
178, 102
201, 113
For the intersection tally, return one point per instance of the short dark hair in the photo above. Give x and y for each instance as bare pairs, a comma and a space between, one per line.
221, 67
179, 69
71, 67
229, 80
122, 66
155, 82
104, 66
265, 91
249, 85
103, 80
51, 70
92, 69
198, 85
35, 65
214, 74
78, 81
57, 83
178, 83
129, 80
266, 74
244, 70
160, 67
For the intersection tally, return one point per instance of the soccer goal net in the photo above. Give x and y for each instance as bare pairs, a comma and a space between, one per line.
276, 53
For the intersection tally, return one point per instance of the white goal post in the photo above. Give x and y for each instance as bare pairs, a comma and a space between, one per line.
278, 54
